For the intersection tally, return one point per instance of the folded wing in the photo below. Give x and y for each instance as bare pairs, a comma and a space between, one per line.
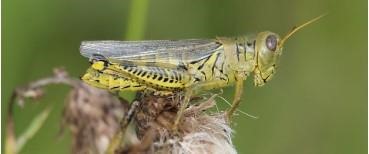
154, 53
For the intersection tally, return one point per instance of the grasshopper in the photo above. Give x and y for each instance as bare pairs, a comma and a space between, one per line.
167, 67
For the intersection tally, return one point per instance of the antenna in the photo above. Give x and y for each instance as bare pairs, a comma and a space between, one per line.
295, 29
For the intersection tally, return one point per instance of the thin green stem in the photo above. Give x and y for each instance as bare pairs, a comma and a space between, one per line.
137, 19
32, 129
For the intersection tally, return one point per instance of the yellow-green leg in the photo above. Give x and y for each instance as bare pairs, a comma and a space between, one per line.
118, 138
236, 99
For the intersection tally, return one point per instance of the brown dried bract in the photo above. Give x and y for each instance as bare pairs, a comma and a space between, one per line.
93, 117
199, 131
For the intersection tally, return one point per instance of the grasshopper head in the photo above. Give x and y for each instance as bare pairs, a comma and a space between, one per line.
267, 52
268, 48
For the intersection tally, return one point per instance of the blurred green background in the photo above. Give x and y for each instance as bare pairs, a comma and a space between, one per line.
316, 103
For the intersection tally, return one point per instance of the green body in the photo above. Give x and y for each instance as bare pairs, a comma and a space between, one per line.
232, 56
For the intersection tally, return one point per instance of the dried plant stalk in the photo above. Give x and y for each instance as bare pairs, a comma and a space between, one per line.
94, 116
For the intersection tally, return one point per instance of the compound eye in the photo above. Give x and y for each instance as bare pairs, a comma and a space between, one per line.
271, 42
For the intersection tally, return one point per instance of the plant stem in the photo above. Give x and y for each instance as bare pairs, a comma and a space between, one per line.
137, 19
